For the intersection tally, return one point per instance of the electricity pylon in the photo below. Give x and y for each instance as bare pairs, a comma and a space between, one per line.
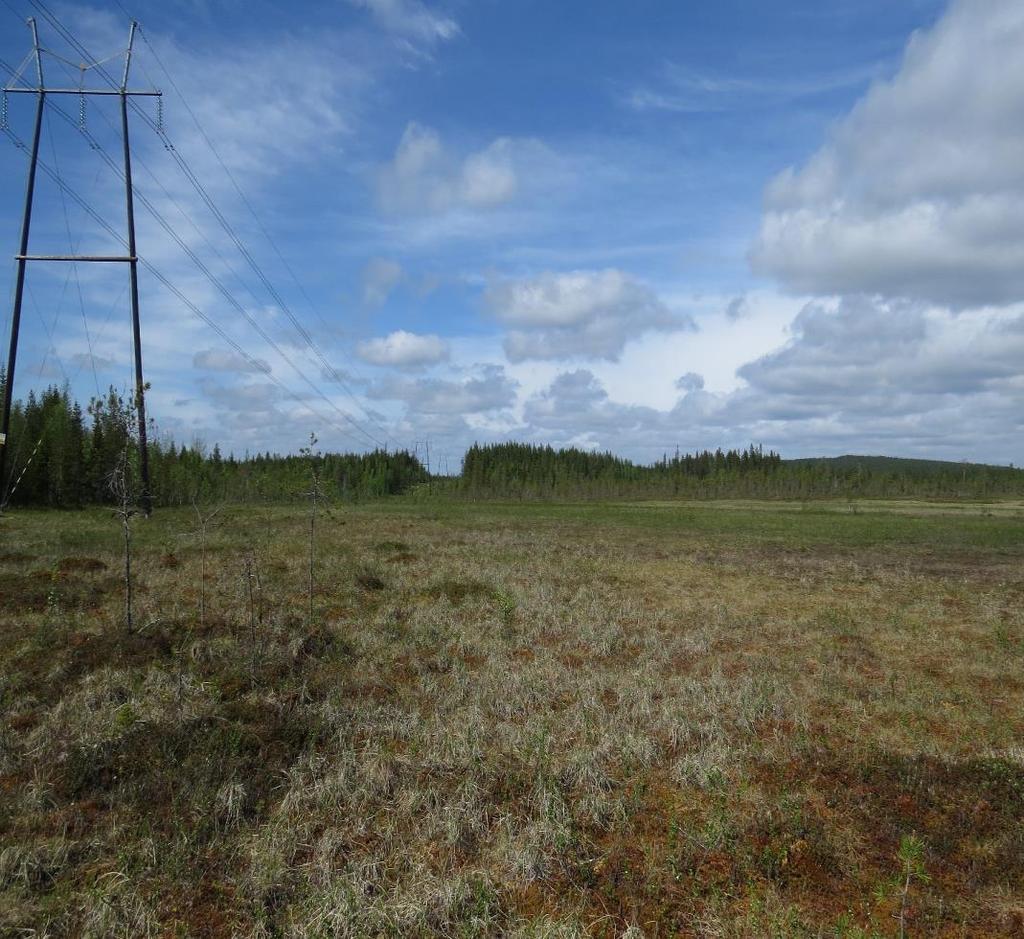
131, 259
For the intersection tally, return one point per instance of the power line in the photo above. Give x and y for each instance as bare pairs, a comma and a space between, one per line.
17, 13
225, 224
328, 368
70, 38
50, 330
214, 280
74, 264
10, 299
227, 171
194, 308
177, 205
256, 218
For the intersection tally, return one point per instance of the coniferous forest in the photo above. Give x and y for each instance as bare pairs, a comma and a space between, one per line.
64, 456
522, 471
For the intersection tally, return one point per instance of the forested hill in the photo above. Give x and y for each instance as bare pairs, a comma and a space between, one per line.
902, 466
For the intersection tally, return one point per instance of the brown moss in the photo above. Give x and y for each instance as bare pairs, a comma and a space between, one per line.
84, 565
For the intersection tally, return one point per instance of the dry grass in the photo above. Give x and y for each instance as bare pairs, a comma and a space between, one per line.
553, 721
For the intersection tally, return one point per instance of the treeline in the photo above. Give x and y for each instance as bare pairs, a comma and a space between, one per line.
63, 457
523, 471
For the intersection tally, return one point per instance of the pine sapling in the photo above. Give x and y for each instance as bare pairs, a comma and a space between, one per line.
314, 497
120, 485
911, 858
203, 523
253, 586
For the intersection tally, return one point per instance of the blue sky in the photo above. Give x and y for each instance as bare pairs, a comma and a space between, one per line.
624, 226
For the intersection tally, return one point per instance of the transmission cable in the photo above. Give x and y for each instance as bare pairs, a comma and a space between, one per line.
50, 330
214, 280
73, 249
137, 160
259, 222
194, 308
157, 215
225, 224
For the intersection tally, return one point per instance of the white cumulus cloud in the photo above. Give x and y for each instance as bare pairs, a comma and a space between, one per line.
589, 314
857, 375
491, 390
919, 191
423, 177
404, 350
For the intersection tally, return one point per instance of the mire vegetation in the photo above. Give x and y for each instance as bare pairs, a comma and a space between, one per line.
713, 719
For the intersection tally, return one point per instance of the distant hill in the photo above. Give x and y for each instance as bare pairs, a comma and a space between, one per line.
901, 466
